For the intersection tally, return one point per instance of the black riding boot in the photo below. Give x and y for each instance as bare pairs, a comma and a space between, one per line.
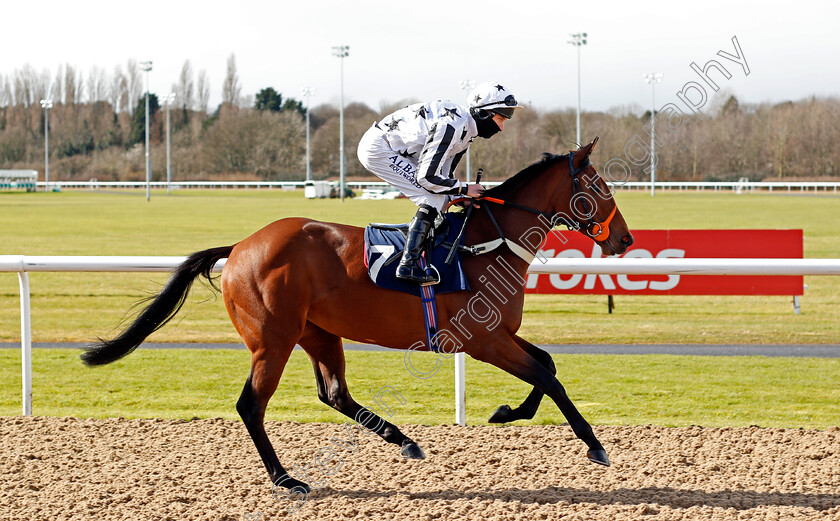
417, 232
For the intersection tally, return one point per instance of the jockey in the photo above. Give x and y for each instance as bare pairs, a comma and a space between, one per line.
416, 150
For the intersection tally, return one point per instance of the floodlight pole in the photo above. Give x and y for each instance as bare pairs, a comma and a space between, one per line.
467, 86
341, 51
168, 100
147, 66
47, 104
653, 78
308, 91
577, 40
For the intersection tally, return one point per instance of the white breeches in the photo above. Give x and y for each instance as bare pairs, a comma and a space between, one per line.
377, 156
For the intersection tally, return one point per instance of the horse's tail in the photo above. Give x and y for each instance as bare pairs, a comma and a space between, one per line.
162, 309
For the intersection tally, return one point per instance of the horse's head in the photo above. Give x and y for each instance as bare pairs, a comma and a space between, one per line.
587, 203
568, 190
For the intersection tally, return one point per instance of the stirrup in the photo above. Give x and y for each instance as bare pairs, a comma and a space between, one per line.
437, 277
414, 273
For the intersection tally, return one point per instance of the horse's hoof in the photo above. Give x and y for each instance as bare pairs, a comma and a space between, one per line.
301, 487
294, 485
598, 456
412, 451
503, 414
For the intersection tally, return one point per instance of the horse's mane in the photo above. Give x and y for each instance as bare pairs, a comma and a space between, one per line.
513, 184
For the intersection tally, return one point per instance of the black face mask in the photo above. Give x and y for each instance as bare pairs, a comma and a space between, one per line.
486, 127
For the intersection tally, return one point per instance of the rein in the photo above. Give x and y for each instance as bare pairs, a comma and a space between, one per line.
599, 231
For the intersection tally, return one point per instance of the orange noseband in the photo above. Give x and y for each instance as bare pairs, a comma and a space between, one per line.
602, 227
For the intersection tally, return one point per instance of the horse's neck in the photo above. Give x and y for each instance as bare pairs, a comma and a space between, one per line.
523, 227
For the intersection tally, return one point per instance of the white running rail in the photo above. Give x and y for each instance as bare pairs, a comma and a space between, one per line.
23, 264
737, 186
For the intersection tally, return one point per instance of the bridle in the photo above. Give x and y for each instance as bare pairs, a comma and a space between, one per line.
603, 227
599, 231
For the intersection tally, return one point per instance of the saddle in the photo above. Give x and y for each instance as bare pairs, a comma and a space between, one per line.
383, 248
436, 237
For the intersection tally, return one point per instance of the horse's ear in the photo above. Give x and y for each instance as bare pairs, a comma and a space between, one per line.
591, 146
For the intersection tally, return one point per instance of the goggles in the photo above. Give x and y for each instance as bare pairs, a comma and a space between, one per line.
504, 112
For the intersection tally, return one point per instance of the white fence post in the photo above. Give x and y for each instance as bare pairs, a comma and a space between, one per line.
460, 390
26, 342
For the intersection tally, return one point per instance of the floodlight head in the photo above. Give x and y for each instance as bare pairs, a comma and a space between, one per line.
577, 39
653, 77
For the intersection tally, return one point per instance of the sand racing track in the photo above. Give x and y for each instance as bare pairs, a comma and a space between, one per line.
65, 468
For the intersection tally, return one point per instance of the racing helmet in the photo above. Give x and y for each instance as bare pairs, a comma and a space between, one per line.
491, 98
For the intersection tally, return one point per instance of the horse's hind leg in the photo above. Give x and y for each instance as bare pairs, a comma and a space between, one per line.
327, 355
529, 407
269, 353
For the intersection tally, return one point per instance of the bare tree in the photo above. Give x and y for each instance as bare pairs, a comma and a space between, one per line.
185, 88
115, 90
203, 91
125, 95
58, 85
80, 87
97, 85
265, 144
42, 86
69, 84
5, 95
231, 88
135, 82
26, 80
73, 86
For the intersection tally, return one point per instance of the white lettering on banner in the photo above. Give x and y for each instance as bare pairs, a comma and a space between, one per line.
634, 285
563, 282
606, 280
557, 280
673, 280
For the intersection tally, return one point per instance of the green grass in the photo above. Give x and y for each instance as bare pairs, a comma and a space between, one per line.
78, 307
664, 390
617, 389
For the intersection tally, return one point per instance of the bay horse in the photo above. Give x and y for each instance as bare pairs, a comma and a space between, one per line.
301, 281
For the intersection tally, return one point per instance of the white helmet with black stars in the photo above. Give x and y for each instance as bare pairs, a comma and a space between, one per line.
492, 98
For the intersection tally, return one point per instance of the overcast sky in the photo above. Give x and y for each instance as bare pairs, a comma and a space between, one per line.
421, 50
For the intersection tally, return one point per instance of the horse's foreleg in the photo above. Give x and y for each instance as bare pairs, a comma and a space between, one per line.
529, 407
327, 355
510, 357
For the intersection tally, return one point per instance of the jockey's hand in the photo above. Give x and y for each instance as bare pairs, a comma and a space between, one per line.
475, 190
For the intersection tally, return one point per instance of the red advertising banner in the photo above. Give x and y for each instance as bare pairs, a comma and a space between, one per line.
675, 244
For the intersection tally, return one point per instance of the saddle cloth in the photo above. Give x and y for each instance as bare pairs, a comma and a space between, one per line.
383, 249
